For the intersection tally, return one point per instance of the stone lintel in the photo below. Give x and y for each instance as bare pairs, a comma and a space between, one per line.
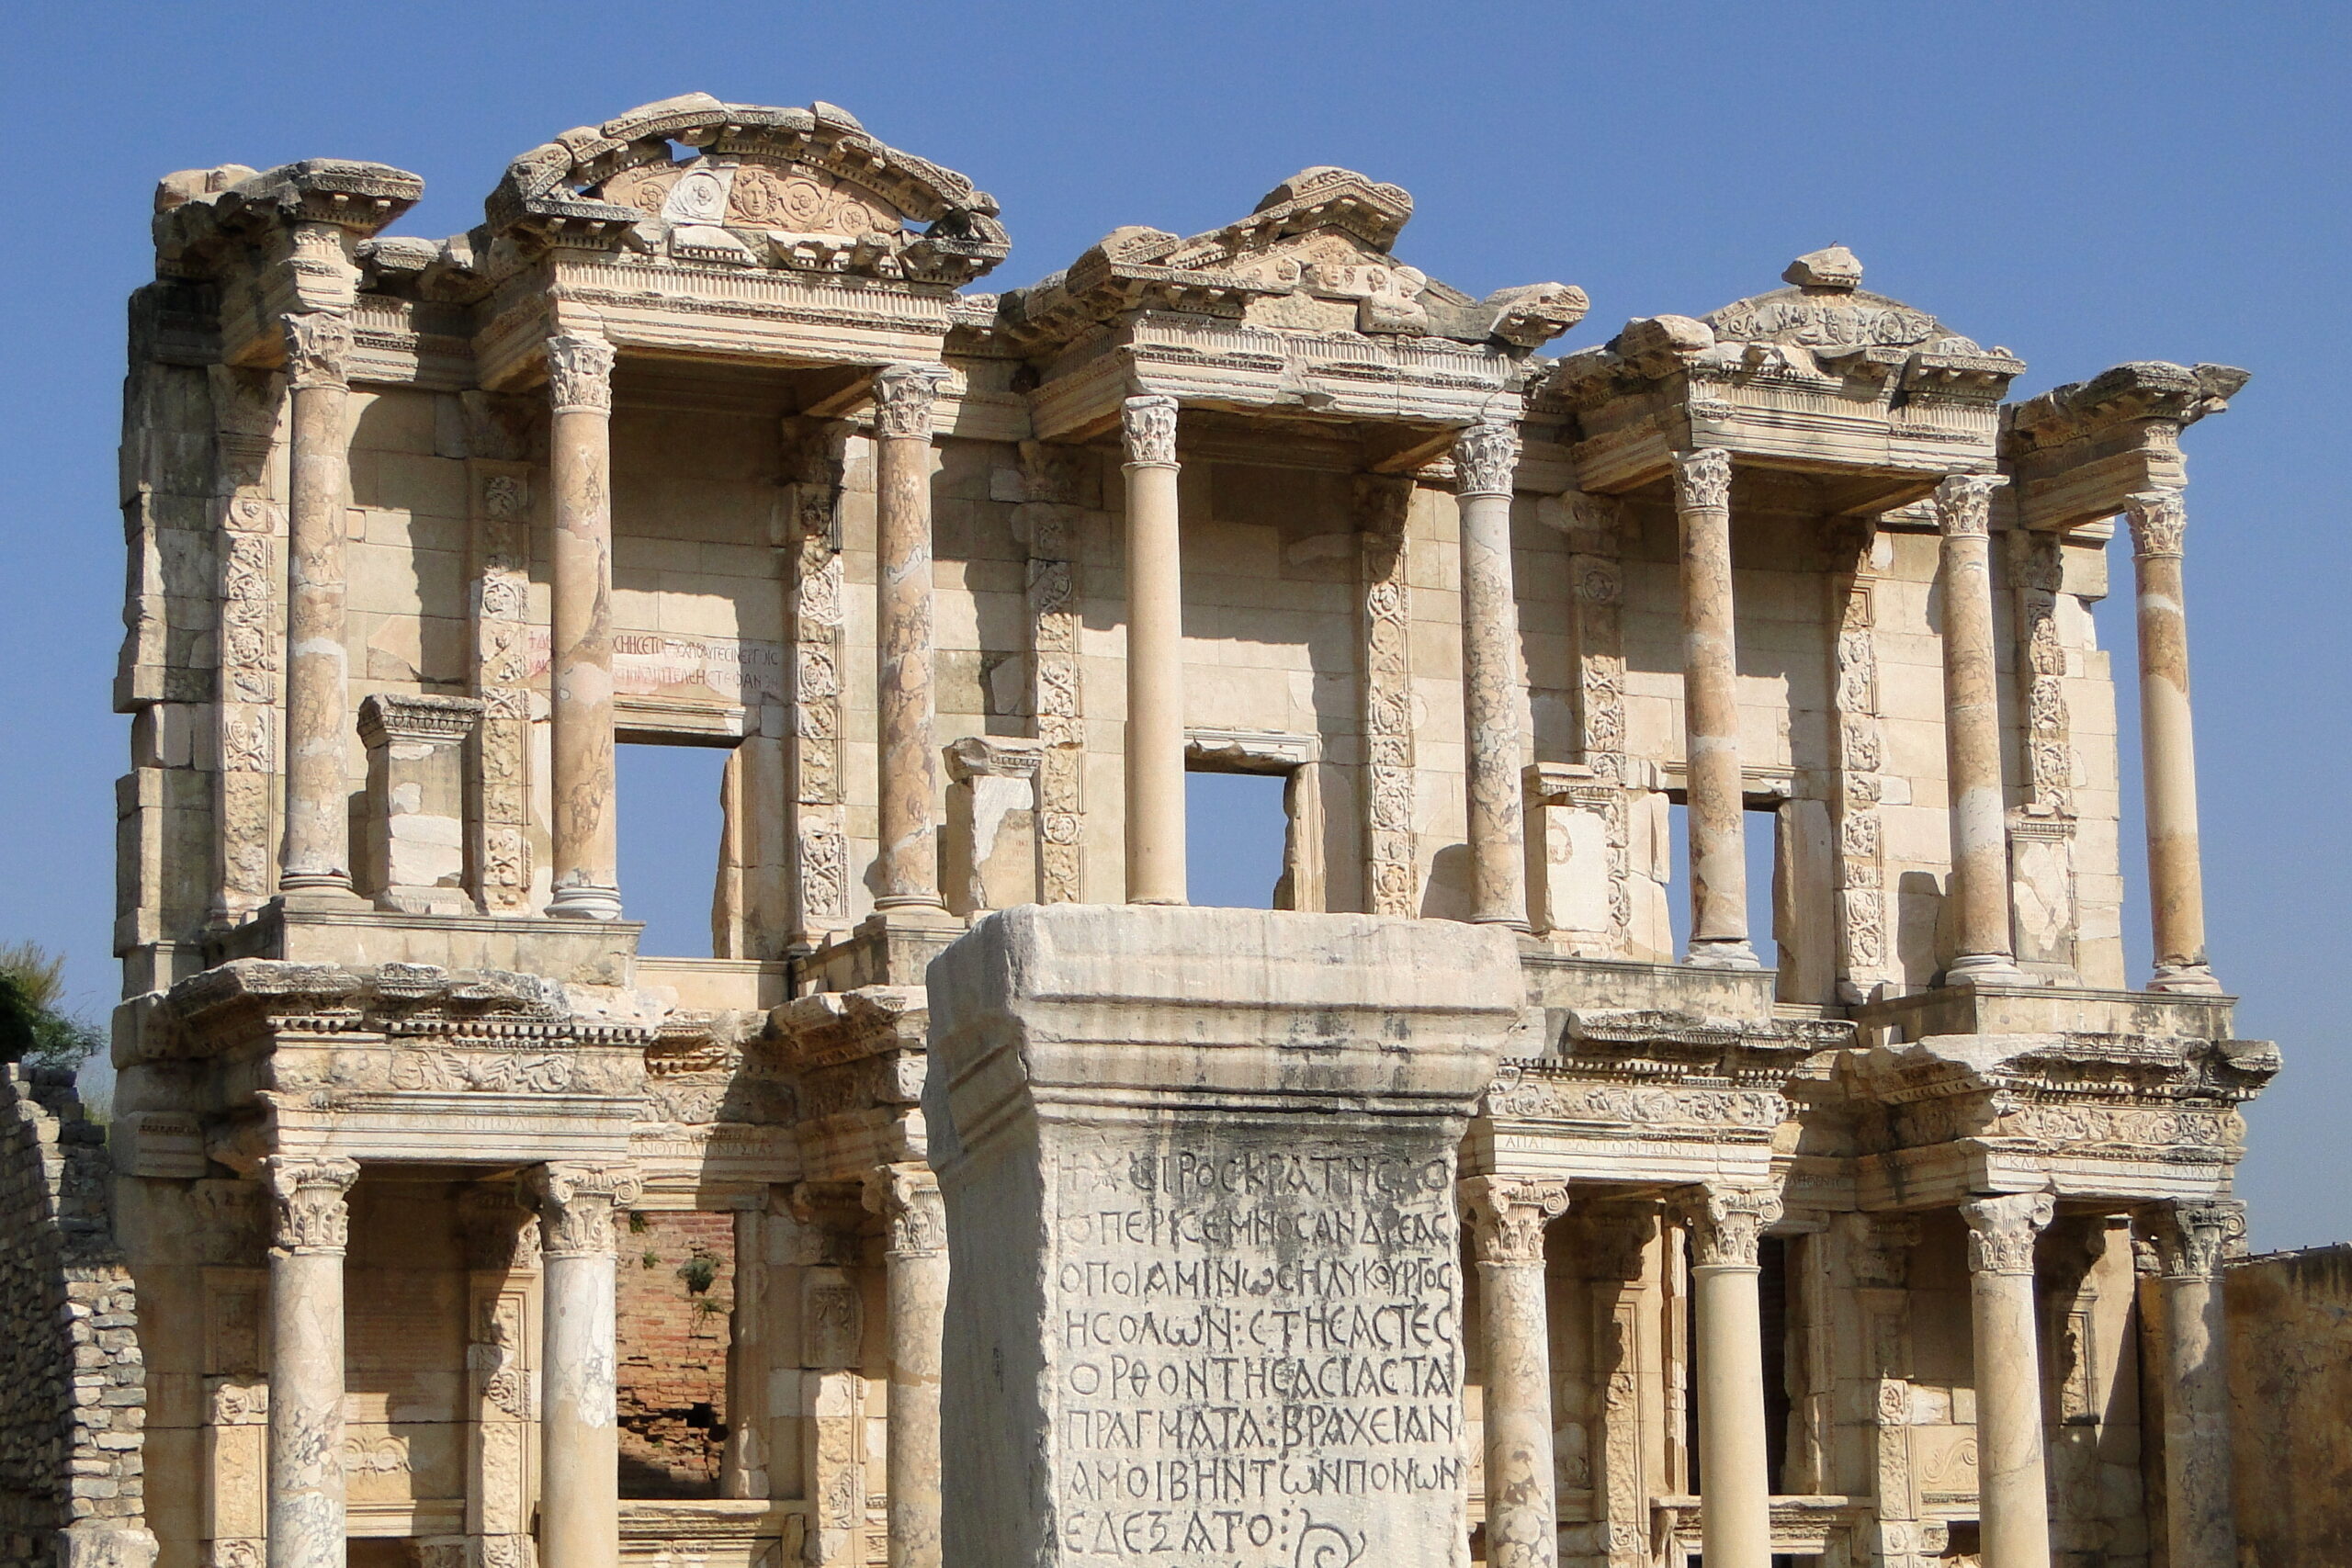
385, 716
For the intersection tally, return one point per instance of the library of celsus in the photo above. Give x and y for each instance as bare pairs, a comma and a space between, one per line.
1687, 1102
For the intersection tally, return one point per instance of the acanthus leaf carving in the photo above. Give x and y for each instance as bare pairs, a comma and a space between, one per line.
580, 374
2159, 520
311, 1216
1508, 1215
1148, 426
2001, 1231
903, 399
1486, 457
1727, 1221
2192, 1240
317, 350
907, 1197
576, 1202
1964, 505
1701, 480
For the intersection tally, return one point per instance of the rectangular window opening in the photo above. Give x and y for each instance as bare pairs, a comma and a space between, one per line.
672, 842
1761, 843
1236, 838
675, 1318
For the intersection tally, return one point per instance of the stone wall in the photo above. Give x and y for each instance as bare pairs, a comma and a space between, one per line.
72, 1398
2290, 1379
677, 1293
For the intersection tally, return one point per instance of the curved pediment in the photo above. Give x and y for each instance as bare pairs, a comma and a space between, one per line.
738, 184
1825, 306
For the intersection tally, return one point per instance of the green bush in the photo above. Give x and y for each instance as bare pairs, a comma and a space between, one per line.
33, 1028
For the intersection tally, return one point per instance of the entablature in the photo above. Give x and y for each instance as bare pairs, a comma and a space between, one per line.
2079, 452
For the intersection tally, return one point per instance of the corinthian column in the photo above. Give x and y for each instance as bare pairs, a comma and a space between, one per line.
1728, 1223
316, 852
2013, 1500
1507, 1220
587, 844
2193, 1240
306, 1496
1717, 805
1980, 837
1486, 457
2168, 746
580, 1520
915, 1264
908, 871
1155, 656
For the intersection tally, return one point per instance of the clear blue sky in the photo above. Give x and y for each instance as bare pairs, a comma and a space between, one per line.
2085, 182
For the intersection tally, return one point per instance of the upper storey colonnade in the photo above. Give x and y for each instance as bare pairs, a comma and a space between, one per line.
791, 241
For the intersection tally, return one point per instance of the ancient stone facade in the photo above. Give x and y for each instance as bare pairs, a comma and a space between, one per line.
703, 437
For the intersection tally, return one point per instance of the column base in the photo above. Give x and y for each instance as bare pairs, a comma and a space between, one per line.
318, 894
1719, 952
2186, 979
928, 907
585, 902
1997, 969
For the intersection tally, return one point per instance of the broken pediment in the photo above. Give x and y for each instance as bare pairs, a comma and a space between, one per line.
1313, 256
700, 181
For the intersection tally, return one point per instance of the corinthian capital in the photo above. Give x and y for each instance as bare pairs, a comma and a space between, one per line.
1702, 479
907, 1197
317, 350
1486, 457
576, 1203
309, 1195
1149, 426
2001, 1231
1508, 1214
580, 373
1727, 1220
1964, 505
2159, 520
2193, 1240
903, 395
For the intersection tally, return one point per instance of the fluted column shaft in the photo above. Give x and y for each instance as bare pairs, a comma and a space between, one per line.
2193, 1243
1727, 1225
579, 1417
1486, 457
316, 850
1715, 793
915, 1267
1154, 656
586, 827
2013, 1498
1507, 1218
306, 1483
905, 704
1980, 835
2168, 745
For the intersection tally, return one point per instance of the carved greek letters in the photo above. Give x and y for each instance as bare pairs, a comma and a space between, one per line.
2159, 520
1701, 480
308, 1193
903, 396
2001, 1231
580, 373
1727, 1221
1149, 425
576, 1203
1508, 1217
1964, 505
1486, 457
317, 350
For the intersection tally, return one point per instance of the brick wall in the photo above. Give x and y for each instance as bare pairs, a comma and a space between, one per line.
677, 1289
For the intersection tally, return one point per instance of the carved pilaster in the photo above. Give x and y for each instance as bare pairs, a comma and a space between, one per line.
1050, 520
820, 839
1727, 1221
499, 496
580, 374
1149, 427
576, 1205
311, 1217
1382, 505
1865, 948
1486, 457
2037, 567
907, 1197
250, 543
1508, 1215
2001, 1231
2192, 1241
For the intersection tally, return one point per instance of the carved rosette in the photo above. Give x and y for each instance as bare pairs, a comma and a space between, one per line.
1702, 479
580, 374
2192, 1241
318, 350
1148, 426
1508, 1215
821, 887
903, 396
1382, 504
576, 1203
2001, 1231
2159, 520
1964, 505
1727, 1221
907, 1197
311, 1216
1486, 457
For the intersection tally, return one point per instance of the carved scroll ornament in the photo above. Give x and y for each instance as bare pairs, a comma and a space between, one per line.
1701, 480
1486, 457
907, 1197
2001, 1231
580, 374
2159, 520
1508, 1215
317, 350
1728, 1223
1149, 426
1964, 505
2193, 1240
309, 1194
575, 1204
903, 396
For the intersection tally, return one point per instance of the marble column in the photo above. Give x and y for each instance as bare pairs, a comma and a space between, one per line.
2167, 745
1727, 1224
1486, 457
316, 851
1980, 837
306, 1491
907, 872
915, 1266
2013, 1500
2192, 1244
1155, 758
1508, 1215
1716, 796
587, 843
580, 1525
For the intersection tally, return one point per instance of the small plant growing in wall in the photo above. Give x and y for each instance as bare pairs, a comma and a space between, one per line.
652, 1259
699, 1272
639, 1224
